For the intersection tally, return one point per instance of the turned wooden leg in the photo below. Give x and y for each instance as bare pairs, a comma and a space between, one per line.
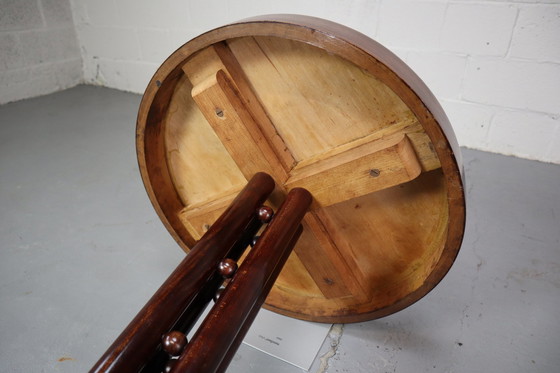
187, 286
219, 336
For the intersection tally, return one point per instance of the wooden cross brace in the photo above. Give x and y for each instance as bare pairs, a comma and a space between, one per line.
225, 98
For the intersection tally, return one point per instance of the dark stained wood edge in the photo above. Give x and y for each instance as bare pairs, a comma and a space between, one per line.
374, 58
152, 161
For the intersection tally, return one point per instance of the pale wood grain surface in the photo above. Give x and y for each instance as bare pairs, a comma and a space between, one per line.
316, 111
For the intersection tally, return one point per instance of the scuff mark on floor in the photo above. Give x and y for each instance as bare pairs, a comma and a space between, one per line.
335, 334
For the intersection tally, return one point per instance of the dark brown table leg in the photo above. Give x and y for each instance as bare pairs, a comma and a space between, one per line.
138, 343
219, 336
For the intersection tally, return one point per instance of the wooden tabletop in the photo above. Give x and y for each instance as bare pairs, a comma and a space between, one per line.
319, 106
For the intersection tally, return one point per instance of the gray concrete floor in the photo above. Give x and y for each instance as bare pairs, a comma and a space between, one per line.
81, 250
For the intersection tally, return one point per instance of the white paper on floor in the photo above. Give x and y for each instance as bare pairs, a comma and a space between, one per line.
294, 341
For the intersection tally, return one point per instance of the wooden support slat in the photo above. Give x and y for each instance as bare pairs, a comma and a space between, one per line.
340, 176
220, 102
327, 265
219, 57
197, 218
424, 150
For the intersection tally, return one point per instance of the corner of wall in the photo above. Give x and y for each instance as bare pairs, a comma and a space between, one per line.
40, 53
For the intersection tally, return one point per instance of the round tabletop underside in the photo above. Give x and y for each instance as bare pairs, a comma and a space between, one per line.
319, 106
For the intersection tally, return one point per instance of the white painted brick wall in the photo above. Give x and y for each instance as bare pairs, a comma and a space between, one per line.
414, 25
537, 35
471, 122
494, 64
39, 51
513, 84
521, 133
481, 29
